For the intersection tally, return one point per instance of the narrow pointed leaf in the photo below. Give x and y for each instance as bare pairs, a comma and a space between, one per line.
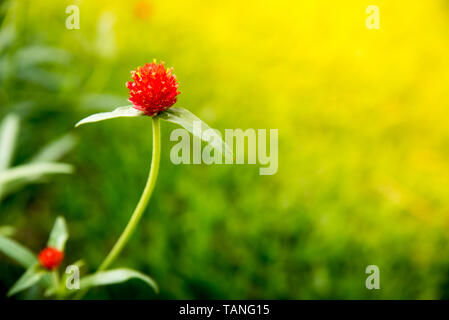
196, 126
34, 171
115, 276
59, 234
55, 150
15, 178
32, 276
41, 76
9, 129
127, 111
7, 35
17, 252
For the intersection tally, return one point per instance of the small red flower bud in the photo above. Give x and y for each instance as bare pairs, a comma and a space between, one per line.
153, 89
50, 258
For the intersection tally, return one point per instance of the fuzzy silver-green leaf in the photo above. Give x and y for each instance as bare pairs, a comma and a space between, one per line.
17, 252
32, 276
115, 276
187, 120
127, 111
59, 234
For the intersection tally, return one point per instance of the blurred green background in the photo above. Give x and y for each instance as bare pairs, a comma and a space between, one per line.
363, 144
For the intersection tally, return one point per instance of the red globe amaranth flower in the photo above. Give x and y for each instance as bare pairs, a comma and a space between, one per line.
154, 88
50, 258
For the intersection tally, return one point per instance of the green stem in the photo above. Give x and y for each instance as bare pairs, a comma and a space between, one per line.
140, 208
55, 278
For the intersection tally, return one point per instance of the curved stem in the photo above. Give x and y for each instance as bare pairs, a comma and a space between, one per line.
140, 208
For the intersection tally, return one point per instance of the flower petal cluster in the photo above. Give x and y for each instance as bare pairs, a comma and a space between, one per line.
50, 258
154, 88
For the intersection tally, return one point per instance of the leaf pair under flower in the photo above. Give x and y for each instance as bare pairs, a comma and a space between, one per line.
180, 116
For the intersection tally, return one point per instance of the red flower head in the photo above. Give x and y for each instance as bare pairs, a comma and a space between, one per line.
50, 258
154, 88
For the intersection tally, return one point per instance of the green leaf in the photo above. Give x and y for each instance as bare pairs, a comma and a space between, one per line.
127, 111
49, 283
32, 276
115, 276
196, 126
34, 171
9, 129
35, 55
17, 252
7, 231
59, 234
41, 77
8, 34
17, 177
56, 149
